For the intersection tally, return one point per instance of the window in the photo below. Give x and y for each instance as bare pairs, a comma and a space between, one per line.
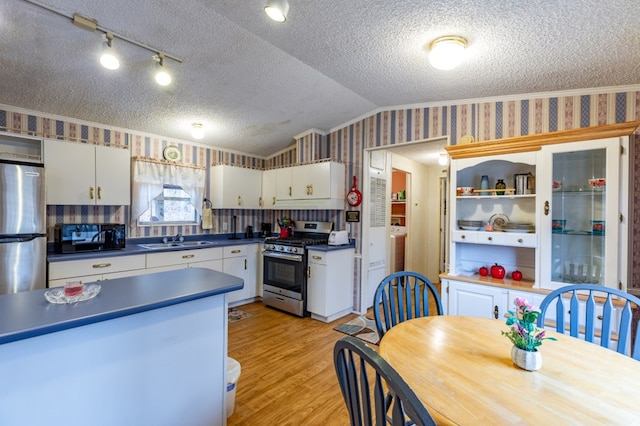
166, 193
173, 205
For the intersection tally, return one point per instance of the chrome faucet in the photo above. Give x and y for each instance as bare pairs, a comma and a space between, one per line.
177, 238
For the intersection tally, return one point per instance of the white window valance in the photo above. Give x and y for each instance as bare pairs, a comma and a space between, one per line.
149, 177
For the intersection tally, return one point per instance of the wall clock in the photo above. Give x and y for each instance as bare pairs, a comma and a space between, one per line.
172, 153
354, 197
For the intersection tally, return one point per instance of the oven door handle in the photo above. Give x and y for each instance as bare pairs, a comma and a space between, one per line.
286, 256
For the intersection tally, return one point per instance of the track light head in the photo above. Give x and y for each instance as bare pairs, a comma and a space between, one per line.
108, 59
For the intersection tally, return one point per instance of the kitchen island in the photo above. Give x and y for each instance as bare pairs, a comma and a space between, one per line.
148, 349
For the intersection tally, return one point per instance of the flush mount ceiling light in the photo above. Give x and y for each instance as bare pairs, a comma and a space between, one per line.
277, 10
446, 53
108, 59
197, 132
443, 160
163, 78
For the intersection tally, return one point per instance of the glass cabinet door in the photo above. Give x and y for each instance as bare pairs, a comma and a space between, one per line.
580, 212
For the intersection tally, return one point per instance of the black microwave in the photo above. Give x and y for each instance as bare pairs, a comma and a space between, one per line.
82, 237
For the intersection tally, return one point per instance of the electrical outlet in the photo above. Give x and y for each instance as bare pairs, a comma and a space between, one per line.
225, 226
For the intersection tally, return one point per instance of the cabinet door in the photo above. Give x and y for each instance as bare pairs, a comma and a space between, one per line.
235, 187
476, 300
70, 173
284, 190
312, 181
237, 266
317, 289
113, 176
580, 204
269, 189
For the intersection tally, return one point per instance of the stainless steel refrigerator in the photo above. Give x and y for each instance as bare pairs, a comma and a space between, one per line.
23, 241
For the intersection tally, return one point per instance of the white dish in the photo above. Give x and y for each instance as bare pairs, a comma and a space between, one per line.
57, 296
471, 228
521, 231
172, 153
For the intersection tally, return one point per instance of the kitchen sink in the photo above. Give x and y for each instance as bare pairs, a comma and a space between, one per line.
176, 244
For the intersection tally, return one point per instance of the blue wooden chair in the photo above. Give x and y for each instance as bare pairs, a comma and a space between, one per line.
580, 299
401, 296
365, 378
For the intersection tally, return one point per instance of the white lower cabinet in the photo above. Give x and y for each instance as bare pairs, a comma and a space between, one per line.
241, 261
330, 284
181, 259
475, 300
98, 269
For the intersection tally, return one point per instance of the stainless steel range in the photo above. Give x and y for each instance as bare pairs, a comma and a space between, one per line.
285, 266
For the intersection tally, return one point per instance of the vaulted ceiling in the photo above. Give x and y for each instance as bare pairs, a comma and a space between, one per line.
255, 83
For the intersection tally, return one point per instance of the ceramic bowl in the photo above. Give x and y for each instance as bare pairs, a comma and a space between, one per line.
597, 183
597, 226
466, 190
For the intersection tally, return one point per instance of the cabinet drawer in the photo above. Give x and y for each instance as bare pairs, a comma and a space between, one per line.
235, 251
491, 238
102, 265
464, 236
180, 257
317, 257
521, 240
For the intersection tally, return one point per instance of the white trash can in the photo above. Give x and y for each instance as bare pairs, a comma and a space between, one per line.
233, 374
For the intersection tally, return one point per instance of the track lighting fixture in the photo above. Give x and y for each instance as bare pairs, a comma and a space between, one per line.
108, 59
277, 10
163, 78
197, 131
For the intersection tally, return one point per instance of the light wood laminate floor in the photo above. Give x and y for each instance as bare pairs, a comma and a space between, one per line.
287, 374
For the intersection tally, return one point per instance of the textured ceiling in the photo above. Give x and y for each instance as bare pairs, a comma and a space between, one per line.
255, 84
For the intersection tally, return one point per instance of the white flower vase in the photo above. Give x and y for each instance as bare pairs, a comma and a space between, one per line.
527, 360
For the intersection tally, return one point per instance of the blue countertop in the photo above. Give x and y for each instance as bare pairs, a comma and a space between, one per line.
28, 314
133, 247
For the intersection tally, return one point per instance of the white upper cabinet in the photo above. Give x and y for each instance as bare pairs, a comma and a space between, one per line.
311, 186
235, 187
269, 189
83, 174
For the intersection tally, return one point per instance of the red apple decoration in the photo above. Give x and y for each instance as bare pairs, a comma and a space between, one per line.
498, 271
516, 275
483, 271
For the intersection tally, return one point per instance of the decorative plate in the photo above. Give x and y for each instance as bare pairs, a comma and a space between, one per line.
498, 220
56, 295
172, 153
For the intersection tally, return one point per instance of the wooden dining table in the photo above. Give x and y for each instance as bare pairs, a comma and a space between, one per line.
461, 369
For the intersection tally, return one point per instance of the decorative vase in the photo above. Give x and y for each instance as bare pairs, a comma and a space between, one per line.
527, 360
484, 184
500, 185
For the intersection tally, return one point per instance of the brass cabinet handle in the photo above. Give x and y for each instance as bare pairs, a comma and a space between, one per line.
91, 192
273, 203
317, 257
188, 256
99, 193
311, 188
546, 208
235, 251
101, 265
239, 200
289, 191
308, 271
260, 202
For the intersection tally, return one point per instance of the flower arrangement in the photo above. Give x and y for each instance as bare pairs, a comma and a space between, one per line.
524, 334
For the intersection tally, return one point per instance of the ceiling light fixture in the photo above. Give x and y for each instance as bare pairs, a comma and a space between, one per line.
277, 10
163, 78
446, 53
108, 59
444, 159
197, 131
